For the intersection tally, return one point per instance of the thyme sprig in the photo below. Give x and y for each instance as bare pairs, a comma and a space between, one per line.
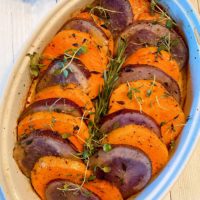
111, 76
155, 8
166, 43
102, 13
69, 56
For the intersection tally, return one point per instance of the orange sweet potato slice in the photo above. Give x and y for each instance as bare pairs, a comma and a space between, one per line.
103, 189
99, 23
163, 61
93, 58
144, 139
70, 92
155, 101
141, 10
51, 168
58, 122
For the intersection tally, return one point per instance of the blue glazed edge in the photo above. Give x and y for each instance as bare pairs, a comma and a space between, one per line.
2, 197
181, 11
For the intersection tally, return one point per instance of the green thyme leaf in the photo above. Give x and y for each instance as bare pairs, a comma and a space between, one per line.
107, 147
106, 169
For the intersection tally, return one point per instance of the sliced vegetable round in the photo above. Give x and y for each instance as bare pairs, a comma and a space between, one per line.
146, 33
119, 12
101, 24
70, 92
90, 27
155, 101
144, 139
130, 168
51, 168
60, 105
146, 72
77, 44
39, 144
65, 125
126, 117
64, 72
62, 190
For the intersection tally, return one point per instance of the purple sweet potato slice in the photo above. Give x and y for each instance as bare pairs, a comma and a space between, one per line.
119, 14
146, 72
62, 190
126, 117
39, 144
60, 105
75, 73
126, 167
143, 34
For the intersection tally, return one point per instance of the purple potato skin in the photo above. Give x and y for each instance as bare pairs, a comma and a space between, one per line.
130, 168
83, 25
147, 72
60, 105
121, 15
54, 191
141, 34
39, 144
54, 76
126, 117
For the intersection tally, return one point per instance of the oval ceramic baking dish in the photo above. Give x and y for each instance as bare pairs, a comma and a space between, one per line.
14, 184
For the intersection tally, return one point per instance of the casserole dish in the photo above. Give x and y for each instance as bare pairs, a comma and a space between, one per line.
15, 185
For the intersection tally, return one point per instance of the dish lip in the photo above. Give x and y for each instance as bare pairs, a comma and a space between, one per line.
156, 193
176, 165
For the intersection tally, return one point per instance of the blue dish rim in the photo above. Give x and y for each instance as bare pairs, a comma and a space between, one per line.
191, 133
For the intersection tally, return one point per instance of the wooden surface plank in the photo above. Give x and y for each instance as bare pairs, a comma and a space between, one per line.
19, 18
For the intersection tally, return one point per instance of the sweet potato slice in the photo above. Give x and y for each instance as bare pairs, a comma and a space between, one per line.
59, 105
155, 101
147, 72
51, 168
163, 61
77, 74
120, 14
103, 189
141, 10
126, 117
100, 23
70, 92
39, 144
145, 33
90, 27
92, 190
63, 190
92, 58
130, 168
63, 124
144, 139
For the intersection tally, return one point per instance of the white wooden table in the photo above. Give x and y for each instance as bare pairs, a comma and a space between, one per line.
18, 19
